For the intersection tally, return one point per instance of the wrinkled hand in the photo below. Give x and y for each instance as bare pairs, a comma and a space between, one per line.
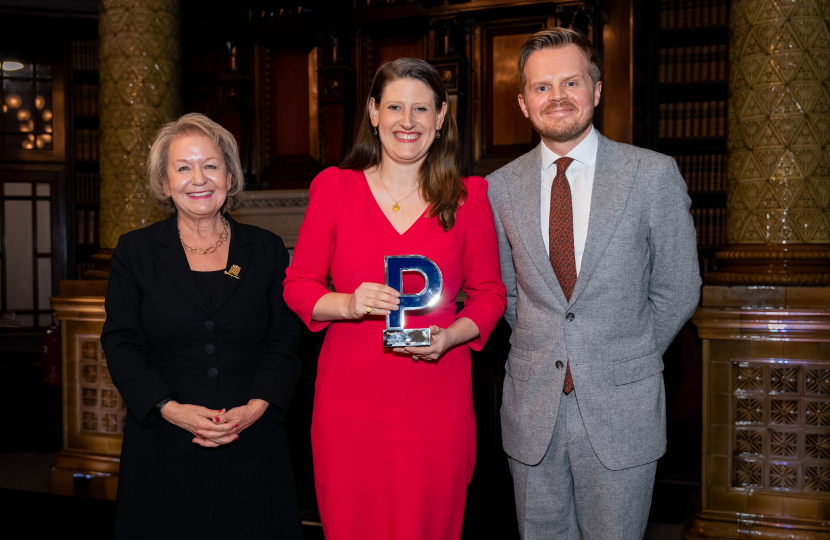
381, 298
198, 420
214, 428
441, 340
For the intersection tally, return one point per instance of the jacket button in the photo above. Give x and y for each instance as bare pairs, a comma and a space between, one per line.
569, 317
213, 372
559, 364
209, 325
210, 348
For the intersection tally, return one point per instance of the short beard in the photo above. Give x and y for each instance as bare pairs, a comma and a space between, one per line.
563, 134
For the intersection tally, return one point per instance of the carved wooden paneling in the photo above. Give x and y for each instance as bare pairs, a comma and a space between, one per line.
474, 45
781, 426
294, 135
392, 48
503, 129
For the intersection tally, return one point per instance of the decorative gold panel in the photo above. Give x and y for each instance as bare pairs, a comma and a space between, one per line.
817, 479
779, 123
749, 441
748, 472
102, 409
818, 381
140, 91
780, 426
782, 443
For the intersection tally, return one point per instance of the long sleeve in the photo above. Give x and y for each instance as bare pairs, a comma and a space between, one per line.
486, 300
306, 278
139, 383
280, 368
674, 284
508, 270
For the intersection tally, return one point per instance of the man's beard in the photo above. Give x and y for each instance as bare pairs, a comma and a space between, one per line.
562, 132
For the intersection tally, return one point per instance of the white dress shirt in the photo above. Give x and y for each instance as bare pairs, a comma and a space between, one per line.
580, 176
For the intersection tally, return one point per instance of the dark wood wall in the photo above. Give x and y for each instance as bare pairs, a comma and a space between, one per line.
291, 82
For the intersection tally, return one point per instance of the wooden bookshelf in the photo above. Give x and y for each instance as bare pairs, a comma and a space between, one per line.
681, 70
82, 150
680, 102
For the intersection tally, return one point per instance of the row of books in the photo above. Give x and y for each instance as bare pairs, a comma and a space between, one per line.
85, 55
710, 224
85, 102
703, 174
692, 120
86, 227
693, 64
86, 144
680, 14
87, 188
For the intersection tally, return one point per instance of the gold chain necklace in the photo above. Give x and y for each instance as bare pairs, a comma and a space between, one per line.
397, 206
211, 249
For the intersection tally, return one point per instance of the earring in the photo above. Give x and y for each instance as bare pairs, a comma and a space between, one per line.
376, 130
437, 134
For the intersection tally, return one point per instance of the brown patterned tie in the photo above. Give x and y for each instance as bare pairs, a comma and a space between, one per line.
561, 230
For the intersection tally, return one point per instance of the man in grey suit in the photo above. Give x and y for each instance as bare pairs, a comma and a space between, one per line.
598, 254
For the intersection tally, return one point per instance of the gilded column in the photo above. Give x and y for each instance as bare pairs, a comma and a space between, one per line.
140, 90
141, 73
779, 164
766, 349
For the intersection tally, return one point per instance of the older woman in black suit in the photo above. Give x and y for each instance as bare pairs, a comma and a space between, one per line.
202, 348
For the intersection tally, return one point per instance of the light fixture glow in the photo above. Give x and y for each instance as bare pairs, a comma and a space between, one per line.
14, 101
40, 101
12, 66
43, 140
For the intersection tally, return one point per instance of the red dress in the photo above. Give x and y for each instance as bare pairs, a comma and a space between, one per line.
393, 439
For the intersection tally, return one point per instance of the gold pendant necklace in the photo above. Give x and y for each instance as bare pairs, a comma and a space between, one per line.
396, 206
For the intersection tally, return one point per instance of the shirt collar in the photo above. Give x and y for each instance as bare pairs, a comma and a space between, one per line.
585, 152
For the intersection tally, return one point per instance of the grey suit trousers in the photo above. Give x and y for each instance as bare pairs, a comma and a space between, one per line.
570, 494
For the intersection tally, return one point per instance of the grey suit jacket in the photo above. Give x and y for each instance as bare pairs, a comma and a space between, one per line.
638, 283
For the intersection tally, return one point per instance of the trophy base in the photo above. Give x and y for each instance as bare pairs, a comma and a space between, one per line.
407, 337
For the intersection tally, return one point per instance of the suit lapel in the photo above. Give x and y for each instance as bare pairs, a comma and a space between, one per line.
613, 177
239, 254
527, 201
169, 249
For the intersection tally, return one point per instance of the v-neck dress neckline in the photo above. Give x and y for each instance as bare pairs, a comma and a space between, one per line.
383, 214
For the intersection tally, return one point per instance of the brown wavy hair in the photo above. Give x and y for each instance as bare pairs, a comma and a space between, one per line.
440, 174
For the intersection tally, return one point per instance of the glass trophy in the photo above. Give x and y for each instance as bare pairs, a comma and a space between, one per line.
395, 334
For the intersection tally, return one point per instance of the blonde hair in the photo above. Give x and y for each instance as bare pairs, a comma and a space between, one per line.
554, 38
193, 124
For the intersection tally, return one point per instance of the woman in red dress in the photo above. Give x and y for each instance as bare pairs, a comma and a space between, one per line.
393, 430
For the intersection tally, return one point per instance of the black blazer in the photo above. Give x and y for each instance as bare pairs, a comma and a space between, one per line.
162, 337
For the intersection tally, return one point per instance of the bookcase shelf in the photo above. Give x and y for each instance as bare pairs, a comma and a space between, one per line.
83, 104
680, 100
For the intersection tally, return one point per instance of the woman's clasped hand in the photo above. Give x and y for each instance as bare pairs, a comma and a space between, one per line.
213, 428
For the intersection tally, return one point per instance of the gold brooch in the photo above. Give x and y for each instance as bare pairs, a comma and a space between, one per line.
234, 271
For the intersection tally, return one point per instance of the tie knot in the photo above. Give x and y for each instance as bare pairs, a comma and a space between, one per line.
562, 164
